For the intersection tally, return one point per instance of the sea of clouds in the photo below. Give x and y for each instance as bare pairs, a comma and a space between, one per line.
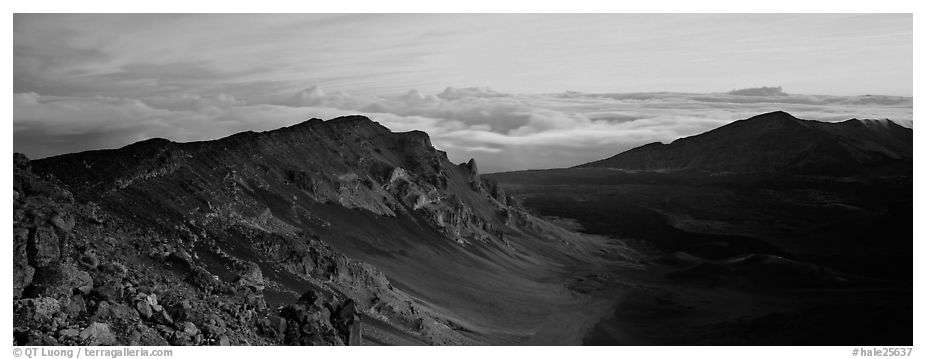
502, 131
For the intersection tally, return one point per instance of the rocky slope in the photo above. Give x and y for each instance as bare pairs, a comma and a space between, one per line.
269, 238
84, 276
777, 142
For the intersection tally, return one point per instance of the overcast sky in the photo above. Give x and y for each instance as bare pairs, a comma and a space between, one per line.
481, 85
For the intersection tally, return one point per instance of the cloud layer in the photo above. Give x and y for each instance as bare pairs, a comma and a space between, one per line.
89, 81
502, 131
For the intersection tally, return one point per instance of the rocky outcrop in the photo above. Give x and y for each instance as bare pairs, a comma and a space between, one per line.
318, 319
76, 284
471, 171
42, 223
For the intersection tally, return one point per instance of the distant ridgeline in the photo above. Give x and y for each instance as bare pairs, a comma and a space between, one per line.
777, 142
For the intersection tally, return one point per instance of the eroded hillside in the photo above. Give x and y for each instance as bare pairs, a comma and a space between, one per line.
309, 234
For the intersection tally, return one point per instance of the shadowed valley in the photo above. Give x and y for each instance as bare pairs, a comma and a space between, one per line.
770, 230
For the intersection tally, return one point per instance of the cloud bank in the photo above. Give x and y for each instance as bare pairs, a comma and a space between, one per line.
90, 81
501, 131
759, 91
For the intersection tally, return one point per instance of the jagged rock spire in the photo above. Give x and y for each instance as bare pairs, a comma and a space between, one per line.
473, 169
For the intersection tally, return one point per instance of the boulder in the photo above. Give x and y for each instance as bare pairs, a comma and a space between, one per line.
201, 278
108, 290
89, 259
215, 328
189, 328
115, 312
146, 336
70, 280
82, 281
63, 222
144, 309
272, 327
98, 334
251, 277
152, 300
37, 309
108, 284
223, 340
73, 306
22, 278
45, 248
182, 310
162, 317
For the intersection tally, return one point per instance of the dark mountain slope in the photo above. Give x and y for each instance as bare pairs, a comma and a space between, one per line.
764, 231
777, 142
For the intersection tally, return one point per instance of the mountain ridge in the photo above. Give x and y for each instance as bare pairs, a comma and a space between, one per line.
776, 142
344, 206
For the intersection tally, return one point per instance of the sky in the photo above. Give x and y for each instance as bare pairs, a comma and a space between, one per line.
513, 91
